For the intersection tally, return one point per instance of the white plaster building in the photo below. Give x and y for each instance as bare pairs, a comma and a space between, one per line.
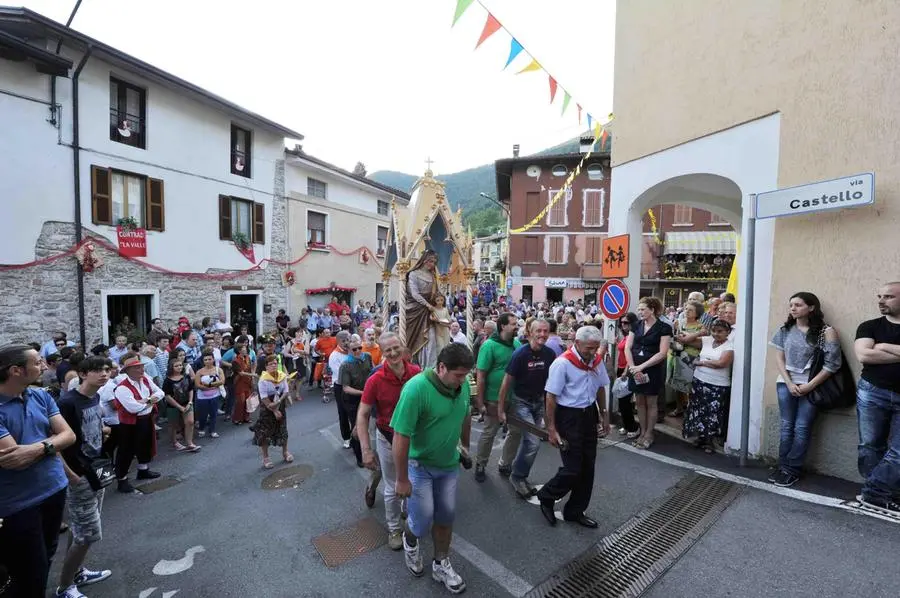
489, 252
342, 221
91, 135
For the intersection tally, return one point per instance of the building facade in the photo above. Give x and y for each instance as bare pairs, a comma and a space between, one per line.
94, 139
681, 249
338, 226
762, 96
490, 253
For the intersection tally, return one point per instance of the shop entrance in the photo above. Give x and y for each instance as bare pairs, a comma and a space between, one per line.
127, 310
555, 295
244, 310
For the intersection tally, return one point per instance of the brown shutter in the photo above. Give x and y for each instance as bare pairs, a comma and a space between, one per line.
531, 250
225, 217
101, 196
155, 209
532, 205
259, 223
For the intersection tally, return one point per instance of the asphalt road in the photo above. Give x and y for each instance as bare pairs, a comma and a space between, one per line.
218, 533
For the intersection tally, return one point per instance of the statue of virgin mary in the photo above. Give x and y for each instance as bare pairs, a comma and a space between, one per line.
421, 291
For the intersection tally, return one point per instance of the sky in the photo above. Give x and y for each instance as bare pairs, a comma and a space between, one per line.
389, 83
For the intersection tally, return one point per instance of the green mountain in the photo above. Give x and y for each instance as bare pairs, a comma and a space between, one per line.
464, 189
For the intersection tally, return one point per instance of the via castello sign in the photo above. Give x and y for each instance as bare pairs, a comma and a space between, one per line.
846, 192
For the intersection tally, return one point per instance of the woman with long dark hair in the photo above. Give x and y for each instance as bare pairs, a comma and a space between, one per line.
630, 427
795, 342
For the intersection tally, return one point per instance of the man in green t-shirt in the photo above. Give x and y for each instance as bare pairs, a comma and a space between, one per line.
432, 417
493, 357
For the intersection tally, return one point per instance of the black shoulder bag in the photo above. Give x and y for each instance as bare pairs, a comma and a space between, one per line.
838, 391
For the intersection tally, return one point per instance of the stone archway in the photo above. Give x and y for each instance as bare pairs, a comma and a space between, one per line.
716, 173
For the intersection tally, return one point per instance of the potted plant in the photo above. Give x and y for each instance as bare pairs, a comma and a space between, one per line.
316, 245
241, 240
128, 223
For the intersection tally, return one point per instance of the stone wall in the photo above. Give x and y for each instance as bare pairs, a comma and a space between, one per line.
37, 300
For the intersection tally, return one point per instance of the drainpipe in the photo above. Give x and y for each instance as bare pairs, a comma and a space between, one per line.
76, 182
53, 108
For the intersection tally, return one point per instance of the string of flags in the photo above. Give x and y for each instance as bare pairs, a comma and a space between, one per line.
491, 26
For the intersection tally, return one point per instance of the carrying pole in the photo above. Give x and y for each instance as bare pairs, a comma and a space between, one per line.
747, 326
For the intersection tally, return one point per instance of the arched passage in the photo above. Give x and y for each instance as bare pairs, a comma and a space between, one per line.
716, 173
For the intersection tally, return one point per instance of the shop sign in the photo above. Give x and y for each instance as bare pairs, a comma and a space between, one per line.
132, 241
555, 283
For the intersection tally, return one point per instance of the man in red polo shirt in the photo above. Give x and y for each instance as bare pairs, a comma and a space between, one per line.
382, 391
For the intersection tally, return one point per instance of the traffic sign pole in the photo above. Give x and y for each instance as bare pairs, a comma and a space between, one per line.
750, 247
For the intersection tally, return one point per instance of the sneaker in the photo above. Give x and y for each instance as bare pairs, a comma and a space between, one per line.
774, 475
786, 480
631, 435
413, 558
395, 540
505, 470
201, 434
214, 435
220, 412
889, 506
86, 577
480, 474
346, 444
70, 592
125, 487
522, 487
443, 573
162, 420
179, 447
146, 474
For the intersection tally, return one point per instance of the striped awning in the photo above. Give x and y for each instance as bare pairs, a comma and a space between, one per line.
721, 242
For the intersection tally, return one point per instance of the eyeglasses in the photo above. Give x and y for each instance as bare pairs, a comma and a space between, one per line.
355, 349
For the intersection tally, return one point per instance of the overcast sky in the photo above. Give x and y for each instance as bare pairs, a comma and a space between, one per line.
387, 82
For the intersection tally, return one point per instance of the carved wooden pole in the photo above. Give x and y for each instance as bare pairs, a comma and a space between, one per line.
402, 269
470, 310
385, 300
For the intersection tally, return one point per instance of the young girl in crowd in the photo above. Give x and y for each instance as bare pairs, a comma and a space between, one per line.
242, 369
208, 380
179, 391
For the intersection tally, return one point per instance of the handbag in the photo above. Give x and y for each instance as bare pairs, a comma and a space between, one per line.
838, 391
252, 403
620, 388
99, 472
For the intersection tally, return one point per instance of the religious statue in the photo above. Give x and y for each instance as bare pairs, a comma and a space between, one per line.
422, 336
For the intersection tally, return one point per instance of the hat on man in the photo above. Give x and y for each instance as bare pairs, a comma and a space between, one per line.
130, 360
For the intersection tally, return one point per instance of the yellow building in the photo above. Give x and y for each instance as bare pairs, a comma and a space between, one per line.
718, 99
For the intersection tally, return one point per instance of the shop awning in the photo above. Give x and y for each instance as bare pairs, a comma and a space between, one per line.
715, 242
333, 288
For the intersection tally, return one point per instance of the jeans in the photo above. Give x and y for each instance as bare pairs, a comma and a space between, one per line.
389, 475
206, 413
433, 498
797, 417
489, 433
28, 541
878, 412
531, 412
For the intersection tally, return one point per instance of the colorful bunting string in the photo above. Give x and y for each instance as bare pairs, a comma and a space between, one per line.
491, 26
461, 6
514, 49
534, 65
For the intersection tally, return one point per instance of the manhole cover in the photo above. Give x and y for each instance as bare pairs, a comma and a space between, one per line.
340, 546
287, 477
631, 559
157, 485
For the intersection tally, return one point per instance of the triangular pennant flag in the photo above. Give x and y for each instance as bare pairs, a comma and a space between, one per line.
597, 130
552, 88
566, 100
461, 6
491, 26
534, 65
579, 112
603, 138
590, 119
514, 48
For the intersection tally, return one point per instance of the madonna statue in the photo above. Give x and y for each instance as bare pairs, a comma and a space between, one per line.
420, 297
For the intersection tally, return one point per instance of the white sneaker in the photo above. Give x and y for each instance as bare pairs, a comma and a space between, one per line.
70, 592
413, 557
443, 573
201, 434
214, 435
346, 444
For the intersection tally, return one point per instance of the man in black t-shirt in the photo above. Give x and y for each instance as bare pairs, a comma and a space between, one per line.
81, 410
527, 373
877, 347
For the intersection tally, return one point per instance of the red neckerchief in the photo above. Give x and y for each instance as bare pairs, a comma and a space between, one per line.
575, 359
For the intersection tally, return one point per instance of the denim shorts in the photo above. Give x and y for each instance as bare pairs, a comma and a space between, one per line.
83, 505
433, 497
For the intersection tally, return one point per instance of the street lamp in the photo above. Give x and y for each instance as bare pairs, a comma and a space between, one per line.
495, 200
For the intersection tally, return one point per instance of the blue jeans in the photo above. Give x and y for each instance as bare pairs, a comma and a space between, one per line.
533, 413
433, 497
797, 417
878, 411
206, 413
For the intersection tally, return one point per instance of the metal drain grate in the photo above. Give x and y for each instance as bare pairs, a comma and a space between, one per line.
628, 561
157, 485
340, 546
288, 477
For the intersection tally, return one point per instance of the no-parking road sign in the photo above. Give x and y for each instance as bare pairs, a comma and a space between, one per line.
614, 299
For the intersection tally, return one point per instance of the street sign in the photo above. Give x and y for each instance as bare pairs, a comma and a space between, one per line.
614, 299
847, 192
614, 253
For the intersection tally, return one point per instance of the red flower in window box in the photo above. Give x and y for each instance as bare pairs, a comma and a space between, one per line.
316, 245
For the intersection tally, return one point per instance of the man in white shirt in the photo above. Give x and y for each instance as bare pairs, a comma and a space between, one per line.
456, 334
134, 398
335, 360
121, 348
222, 325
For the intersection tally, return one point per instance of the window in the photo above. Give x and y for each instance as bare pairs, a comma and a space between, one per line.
382, 240
555, 250
683, 216
316, 225
243, 217
315, 188
127, 113
532, 205
593, 250
557, 215
240, 151
532, 250
116, 195
384, 208
716, 220
593, 206
595, 171
560, 170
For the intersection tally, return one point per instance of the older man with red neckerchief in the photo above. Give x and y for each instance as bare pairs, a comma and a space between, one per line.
576, 395
135, 399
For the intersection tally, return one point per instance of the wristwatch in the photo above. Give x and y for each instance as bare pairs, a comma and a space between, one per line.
49, 449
